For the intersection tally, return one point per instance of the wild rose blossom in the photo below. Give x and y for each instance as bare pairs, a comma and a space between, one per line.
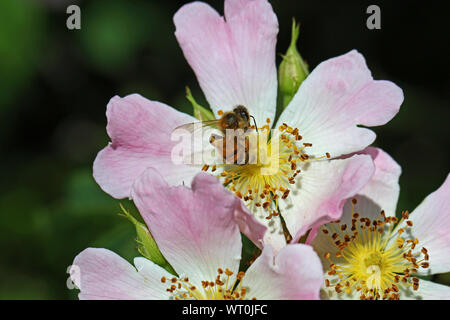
369, 254
197, 230
233, 58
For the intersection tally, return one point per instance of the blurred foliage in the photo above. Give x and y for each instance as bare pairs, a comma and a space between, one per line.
55, 84
22, 35
115, 30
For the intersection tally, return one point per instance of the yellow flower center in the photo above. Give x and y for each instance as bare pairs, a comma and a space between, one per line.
278, 159
223, 288
373, 258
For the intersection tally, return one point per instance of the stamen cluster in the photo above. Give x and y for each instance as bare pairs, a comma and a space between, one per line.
223, 288
374, 258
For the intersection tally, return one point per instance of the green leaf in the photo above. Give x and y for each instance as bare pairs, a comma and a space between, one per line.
113, 32
201, 113
147, 246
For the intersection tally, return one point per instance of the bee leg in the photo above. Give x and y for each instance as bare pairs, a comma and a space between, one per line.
219, 143
213, 138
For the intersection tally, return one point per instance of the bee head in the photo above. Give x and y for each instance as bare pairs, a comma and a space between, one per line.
242, 112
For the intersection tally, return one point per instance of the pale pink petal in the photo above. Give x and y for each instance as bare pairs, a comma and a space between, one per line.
249, 225
274, 234
428, 290
204, 184
196, 230
234, 7
100, 274
233, 58
431, 225
381, 192
320, 191
337, 96
140, 131
294, 273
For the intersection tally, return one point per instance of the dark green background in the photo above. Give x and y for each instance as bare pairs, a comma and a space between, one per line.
55, 84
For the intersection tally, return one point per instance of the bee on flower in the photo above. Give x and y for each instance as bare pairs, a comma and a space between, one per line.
304, 180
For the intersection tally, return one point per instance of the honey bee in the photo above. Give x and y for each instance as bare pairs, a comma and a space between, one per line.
238, 120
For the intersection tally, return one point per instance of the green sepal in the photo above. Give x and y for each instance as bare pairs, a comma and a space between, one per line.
249, 253
147, 246
201, 113
293, 70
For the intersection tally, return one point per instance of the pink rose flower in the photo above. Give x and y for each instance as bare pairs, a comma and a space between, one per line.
233, 58
197, 231
368, 254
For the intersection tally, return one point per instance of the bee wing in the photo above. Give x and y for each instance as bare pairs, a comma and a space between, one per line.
194, 126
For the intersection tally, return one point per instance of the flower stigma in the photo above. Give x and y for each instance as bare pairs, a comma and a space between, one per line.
372, 258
